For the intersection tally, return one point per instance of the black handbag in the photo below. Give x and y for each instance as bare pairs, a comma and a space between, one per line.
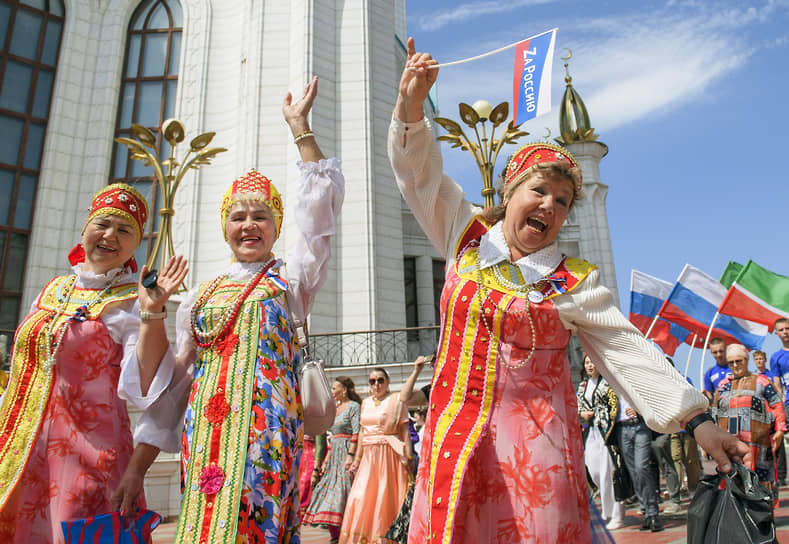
732, 507
623, 484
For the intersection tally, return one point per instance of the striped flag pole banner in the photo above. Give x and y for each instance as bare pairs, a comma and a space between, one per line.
693, 303
531, 80
647, 294
757, 295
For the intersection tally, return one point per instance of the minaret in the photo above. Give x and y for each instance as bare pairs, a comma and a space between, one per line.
589, 223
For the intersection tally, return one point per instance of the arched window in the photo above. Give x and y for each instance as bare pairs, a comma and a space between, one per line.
150, 77
30, 32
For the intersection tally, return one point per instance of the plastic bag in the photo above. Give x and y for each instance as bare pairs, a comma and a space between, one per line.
732, 507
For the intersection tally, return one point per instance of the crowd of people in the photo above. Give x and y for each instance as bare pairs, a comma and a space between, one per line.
501, 455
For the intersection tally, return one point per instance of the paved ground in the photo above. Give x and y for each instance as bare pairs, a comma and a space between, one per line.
675, 532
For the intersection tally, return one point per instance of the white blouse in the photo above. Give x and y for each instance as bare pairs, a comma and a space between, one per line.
123, 324
633, 367
317, 203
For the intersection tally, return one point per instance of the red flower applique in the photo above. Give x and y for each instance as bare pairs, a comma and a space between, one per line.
217, 409
211, 479
226, 344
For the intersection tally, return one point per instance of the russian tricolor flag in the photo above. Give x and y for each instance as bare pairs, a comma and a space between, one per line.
693, 303
647, 294
531, 85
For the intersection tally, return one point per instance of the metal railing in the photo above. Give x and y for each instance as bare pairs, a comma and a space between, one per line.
377, 347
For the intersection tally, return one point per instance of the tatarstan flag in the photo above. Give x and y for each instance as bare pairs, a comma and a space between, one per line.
757, 295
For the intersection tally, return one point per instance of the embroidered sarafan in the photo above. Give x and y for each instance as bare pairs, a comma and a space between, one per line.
502, 441
243, 432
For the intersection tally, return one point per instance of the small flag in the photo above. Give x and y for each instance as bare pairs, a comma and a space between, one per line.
757, 295
531, 81
647, 294
693, 302
730, 273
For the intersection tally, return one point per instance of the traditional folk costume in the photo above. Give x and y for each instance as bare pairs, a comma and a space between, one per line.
595, 395
381, 480
65, 436
243, 429
750, 408
502, 459
331, 492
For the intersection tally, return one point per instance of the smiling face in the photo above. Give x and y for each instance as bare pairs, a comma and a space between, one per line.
738, 365
250, 231
536, 211
109, 241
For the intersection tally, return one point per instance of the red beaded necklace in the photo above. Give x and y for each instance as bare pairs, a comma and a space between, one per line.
211, 339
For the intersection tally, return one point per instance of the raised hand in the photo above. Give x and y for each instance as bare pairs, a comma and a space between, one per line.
296, 113
169, 278
415, 84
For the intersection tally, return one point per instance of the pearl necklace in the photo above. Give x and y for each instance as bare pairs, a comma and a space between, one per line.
518, 288
206, 339
51, 347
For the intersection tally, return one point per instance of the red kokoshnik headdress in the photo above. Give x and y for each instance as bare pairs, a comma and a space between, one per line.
121, 200
256, 187
537, 153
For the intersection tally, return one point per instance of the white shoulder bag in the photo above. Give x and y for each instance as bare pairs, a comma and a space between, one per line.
316, 398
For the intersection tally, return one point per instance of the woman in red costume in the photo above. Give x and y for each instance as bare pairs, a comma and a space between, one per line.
92, 340
502, 459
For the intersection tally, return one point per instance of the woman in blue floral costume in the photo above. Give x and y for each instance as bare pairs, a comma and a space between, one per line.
331, 491
243, 431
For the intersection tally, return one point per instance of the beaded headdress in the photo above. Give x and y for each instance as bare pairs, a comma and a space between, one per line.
123, 201
256, 187
120, 200
536, 153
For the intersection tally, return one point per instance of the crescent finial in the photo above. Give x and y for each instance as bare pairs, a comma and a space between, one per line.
547, 134
569, 54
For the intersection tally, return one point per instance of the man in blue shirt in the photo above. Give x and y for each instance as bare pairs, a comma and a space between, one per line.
779, 368
718, 371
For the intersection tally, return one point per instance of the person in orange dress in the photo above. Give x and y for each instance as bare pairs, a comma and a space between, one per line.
502, 458
92, 340
381, 466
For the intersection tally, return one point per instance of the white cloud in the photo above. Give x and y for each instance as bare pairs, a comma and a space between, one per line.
440, 18
627, 66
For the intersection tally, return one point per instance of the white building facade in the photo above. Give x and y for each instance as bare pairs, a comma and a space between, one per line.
76, 73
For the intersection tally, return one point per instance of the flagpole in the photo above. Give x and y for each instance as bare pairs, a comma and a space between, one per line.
704, 351
483, 55
651, 325
690, 352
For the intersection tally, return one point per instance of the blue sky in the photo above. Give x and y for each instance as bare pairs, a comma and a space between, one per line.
688, 96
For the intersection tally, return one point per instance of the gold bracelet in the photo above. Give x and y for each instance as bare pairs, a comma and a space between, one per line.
299, 137
151, 316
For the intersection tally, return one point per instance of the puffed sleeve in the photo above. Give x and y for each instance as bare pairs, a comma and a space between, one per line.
633, 367
123, 324
321, 190
437, 202
162, 423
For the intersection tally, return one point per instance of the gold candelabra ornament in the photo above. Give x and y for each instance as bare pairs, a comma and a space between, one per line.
485, 150
169, 172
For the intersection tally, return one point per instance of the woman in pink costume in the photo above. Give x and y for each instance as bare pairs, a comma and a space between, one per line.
381, 466
92, 340
501, 458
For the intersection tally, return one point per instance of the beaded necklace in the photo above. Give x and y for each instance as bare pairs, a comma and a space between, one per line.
51, 347
521, 290
205, 339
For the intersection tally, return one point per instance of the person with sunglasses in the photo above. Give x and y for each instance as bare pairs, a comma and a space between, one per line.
380, 467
